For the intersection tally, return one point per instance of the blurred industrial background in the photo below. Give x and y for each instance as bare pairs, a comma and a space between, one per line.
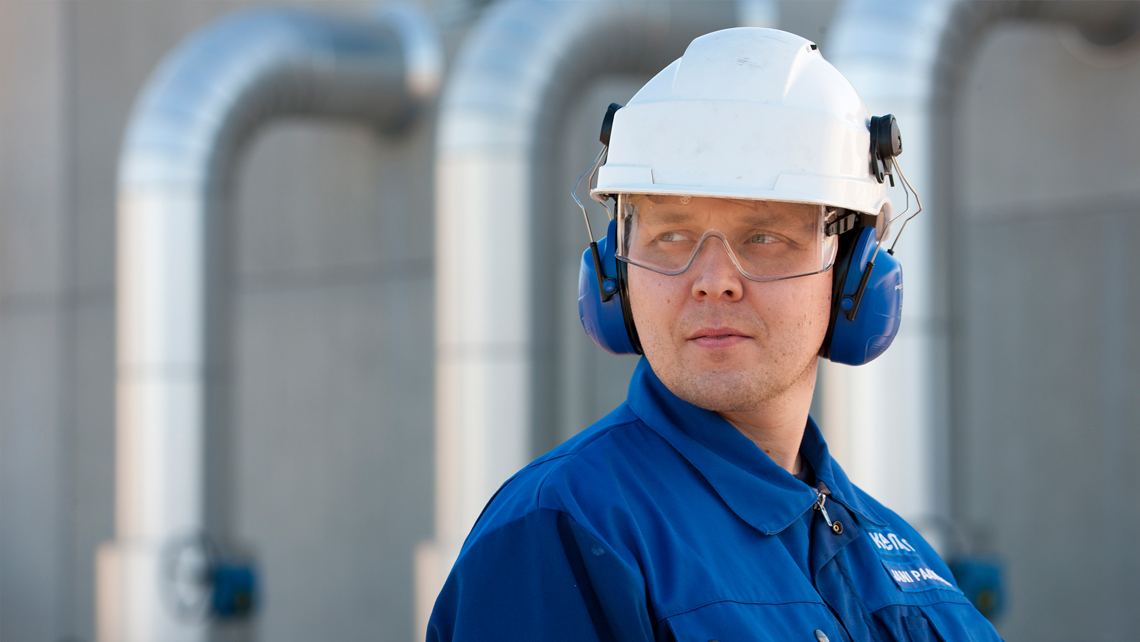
373, 347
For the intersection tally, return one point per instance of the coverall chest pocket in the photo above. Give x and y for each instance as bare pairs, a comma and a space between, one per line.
744, 622
942, 622
919, 629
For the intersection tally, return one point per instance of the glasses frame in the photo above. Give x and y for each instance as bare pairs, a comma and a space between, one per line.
619, 250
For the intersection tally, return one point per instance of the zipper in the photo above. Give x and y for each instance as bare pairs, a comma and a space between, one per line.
822, 494
821, 498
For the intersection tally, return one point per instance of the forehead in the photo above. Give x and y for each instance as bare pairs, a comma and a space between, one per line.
659, 206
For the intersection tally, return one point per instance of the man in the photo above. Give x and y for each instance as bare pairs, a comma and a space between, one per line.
747, 179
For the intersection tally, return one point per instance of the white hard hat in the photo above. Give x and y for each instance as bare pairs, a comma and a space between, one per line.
747, 113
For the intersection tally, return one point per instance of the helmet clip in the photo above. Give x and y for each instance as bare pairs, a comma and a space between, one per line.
886, 143
608, 124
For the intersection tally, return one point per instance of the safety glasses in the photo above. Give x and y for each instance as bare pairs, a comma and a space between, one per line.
765, 240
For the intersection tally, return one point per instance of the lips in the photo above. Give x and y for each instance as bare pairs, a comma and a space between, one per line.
718, 337
717, 332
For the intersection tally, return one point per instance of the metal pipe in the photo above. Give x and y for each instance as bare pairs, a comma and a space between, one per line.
520, 65
176, 171
889, 421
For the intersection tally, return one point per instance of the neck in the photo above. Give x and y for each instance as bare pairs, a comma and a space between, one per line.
777, 426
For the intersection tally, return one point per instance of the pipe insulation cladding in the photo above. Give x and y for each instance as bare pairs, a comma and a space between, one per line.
499, 115
176, 174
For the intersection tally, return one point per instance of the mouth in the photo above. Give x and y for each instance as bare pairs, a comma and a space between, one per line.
718, 337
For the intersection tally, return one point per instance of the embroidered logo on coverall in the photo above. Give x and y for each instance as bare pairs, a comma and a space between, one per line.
904, 565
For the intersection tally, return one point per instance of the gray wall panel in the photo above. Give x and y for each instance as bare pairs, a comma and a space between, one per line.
1040, 123
33, 163
321, 198
333, 453
333, 386
94, 451
34, 478
35, 472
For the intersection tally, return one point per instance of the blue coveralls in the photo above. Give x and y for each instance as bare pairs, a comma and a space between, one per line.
663, 522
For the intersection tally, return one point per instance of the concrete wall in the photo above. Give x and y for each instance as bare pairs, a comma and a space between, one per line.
38, 354
331, 393
1046, 292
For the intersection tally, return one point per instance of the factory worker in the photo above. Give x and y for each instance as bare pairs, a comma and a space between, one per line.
748, 187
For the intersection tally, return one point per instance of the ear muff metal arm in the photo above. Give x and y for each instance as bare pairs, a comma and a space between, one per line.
607, 285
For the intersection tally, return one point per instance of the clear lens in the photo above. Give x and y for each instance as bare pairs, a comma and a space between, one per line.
766, 240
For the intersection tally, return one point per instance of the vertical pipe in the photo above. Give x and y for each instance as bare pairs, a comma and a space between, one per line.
887, 414
519, 66
175, 177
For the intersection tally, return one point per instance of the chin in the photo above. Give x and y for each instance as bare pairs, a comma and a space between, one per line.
720, 390
733, 382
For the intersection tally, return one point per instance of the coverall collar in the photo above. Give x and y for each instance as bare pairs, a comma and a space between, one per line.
761, 493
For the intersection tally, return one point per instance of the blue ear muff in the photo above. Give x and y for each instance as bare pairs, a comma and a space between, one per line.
602, 302
867, 309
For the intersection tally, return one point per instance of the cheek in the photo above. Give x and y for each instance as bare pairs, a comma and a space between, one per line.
806, 305
820, 309
821, 297
652, 300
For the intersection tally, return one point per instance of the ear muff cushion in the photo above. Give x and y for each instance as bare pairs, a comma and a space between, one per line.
862, 339
606, 322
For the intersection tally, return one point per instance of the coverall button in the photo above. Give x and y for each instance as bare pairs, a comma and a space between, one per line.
837, 527
820, 636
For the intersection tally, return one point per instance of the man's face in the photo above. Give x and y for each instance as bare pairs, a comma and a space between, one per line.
717, 339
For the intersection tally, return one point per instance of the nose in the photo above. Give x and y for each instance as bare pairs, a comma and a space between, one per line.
717, 278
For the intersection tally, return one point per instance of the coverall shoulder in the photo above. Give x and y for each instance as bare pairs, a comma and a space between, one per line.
663, 522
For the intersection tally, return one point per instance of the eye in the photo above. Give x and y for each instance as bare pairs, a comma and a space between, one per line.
763, 238
672, 237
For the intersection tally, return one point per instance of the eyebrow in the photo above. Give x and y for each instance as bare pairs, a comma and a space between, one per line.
764, 219
667, 217
759, 219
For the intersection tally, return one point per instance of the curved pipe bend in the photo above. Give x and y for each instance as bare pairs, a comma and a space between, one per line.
177, 163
